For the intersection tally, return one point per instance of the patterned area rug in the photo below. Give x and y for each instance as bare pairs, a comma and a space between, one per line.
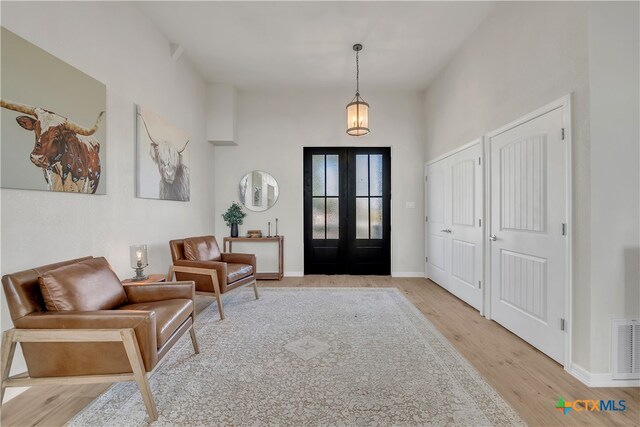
310, 356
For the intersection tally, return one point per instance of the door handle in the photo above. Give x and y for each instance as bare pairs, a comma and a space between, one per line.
493, 237
446, 230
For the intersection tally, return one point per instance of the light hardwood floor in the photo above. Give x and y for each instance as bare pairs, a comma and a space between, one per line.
526, 378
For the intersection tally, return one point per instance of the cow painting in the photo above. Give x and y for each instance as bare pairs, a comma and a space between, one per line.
68, 154
174, 181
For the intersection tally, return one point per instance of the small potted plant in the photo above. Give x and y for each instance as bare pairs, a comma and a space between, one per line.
233, 217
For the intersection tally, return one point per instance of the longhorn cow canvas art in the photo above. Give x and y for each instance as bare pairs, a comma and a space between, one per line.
53, 122
162, 158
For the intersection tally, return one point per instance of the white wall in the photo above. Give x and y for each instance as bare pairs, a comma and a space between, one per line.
615, 177
116, 45
273, 128
523, 56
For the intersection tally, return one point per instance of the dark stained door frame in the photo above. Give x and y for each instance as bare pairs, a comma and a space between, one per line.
356, 249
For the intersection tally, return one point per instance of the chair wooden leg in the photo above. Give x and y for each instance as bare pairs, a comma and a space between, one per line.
170, 274
6, 358
216, 287
194, 340
139, 373
255, 289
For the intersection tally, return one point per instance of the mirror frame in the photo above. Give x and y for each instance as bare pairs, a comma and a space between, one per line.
242, 191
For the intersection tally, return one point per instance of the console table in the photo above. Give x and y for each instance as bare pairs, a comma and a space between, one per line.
275, 239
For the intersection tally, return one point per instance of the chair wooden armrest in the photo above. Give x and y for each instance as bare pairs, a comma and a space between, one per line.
212, 272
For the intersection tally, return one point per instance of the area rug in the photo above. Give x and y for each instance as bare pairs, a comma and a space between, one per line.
307, 357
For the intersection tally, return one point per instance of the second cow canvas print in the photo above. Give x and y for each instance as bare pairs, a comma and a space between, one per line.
162, 158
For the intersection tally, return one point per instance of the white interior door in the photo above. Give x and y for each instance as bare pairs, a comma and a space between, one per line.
465, 228
527, 227
454, 200
438, 245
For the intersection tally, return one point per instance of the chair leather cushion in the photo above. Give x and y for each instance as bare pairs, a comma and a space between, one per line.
83, 286
238, 271
203, 248
170, 314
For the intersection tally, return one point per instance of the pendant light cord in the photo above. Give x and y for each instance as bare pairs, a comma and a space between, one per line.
357, 74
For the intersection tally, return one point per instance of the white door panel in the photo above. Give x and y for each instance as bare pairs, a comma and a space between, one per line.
436, 250
437, 245
463, 261
466, 232
527, 214
436, 190
454, 233
463, 188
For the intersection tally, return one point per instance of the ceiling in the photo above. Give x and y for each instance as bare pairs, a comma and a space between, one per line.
276, 45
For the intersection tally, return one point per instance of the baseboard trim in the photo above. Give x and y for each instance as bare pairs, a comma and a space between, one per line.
599, 380
12, 392
407, 274
580, 373
294, 273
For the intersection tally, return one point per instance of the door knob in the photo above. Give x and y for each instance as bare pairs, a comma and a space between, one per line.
493, 237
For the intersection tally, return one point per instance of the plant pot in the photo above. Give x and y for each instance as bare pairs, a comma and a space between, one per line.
234, 230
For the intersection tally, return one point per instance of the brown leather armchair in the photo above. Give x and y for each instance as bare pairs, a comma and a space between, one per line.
77, 324
214, 273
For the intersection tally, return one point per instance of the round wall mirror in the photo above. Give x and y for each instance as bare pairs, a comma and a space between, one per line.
258, 191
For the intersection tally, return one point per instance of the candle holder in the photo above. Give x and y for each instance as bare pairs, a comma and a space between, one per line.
138, 254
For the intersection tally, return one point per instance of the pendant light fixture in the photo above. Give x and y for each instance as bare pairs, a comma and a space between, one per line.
357, 109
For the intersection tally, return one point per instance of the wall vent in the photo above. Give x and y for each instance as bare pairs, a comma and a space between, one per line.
625, 335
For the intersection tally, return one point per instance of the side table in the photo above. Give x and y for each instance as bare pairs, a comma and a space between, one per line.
153, 278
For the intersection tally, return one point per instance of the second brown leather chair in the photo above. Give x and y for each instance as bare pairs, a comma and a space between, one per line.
214, 273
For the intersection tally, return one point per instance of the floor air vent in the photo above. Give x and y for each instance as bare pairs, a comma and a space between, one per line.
626, 349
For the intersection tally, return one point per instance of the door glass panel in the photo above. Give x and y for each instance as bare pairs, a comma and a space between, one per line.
333, 178
325, 182
332, 218
317, 170
376, 217
375, 167
318, 218
362, 175
362, 218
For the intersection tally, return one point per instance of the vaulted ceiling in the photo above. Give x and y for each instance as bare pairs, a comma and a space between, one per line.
267, 45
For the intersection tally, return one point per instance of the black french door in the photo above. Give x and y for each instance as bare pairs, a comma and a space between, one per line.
347, 211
